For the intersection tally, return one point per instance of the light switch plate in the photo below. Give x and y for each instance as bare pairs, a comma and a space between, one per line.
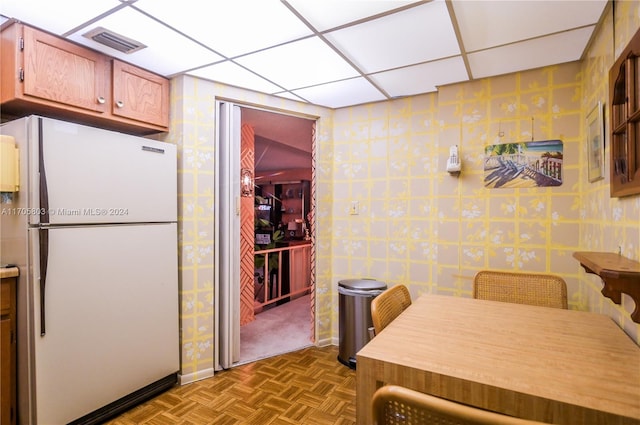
355, 208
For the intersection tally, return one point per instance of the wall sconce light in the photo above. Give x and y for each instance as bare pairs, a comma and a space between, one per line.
453, 162
246, 182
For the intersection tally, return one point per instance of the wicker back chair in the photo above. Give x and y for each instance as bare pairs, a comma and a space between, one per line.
388, 305
395, 405
539, 289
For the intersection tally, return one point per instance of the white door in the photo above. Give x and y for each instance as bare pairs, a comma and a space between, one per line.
227, 271
104, 317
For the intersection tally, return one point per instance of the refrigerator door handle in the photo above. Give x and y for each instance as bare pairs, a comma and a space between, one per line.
44, 259
44, 193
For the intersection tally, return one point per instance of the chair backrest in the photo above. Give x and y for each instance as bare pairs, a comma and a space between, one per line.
539, 289
388, 305
393, 405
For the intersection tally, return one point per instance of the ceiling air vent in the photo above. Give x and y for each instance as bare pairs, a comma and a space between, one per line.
115, 41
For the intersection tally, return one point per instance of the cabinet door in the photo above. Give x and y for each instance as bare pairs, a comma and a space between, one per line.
140, 95
6, 365
62, 72
7, 352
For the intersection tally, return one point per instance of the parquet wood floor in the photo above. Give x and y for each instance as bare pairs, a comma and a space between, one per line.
308, 386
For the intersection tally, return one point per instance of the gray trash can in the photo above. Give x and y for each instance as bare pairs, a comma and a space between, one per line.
354, 313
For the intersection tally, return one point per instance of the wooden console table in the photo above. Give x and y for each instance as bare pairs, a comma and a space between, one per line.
618, 273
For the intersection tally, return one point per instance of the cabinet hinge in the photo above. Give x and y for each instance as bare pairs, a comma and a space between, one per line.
21, 74
21, 43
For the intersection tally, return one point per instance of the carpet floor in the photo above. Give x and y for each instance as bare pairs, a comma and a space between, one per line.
280, 329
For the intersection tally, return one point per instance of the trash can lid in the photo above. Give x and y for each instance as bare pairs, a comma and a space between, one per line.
362, 284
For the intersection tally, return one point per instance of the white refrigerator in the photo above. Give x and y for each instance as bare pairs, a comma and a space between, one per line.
93, 230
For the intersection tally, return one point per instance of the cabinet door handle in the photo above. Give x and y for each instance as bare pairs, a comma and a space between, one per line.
100, 100
120, 104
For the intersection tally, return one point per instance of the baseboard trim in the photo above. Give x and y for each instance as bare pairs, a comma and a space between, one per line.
326, 342
196, 376
208, 373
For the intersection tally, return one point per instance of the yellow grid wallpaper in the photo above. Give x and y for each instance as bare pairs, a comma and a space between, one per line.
385, 158
193, 129
417, 224
607, 224
431, 231
508, 229
460, 225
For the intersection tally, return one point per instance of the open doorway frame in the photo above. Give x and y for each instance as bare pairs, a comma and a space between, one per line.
228, 229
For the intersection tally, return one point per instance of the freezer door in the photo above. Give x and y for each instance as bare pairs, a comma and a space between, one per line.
110, 320
81, 174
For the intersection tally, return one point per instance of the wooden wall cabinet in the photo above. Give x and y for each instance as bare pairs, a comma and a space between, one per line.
624, 96
44, 74
8, 387
140, 95
60, 72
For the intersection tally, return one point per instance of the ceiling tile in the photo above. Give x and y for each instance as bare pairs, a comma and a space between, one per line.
289, 95
415, 35
229, 73
536, 53
233, 27
57, 16
485, 24
299, 64
167, 52
404, 46
421, 78
342, 93
327, 14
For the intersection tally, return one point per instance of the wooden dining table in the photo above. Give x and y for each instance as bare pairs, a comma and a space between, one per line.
539, 363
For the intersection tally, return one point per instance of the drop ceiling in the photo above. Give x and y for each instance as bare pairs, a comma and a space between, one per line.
334, 53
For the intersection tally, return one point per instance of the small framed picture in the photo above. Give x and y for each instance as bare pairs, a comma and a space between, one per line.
595, 143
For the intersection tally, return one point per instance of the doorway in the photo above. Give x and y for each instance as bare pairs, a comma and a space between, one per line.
281, 151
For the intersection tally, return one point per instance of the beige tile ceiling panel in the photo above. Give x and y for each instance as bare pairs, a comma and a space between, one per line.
415, 35
485, 24
327, 14
329, 52
531, 54
421, 78
233, 27
342, 93
230, 73
299, 64
167, 52
58, 16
